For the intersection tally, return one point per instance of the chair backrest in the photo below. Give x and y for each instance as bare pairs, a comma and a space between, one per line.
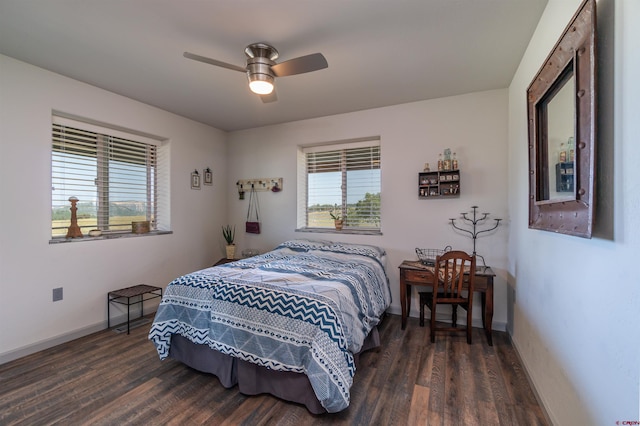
450, 269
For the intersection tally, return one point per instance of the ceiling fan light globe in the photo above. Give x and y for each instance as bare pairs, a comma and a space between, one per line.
260, 83
261, 87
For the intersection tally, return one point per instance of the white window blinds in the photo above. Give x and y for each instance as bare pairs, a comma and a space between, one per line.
343, 181
115, 179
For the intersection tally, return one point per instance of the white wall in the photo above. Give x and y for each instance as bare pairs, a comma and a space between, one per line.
576, 300
473, 125
30, 267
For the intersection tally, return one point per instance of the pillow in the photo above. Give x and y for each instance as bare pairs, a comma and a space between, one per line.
304, 245
361, 249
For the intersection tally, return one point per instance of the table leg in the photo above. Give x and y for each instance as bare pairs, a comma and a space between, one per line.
483, 304
487, 313
403, 302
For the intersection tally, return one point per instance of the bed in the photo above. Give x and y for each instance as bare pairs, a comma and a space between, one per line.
290, 322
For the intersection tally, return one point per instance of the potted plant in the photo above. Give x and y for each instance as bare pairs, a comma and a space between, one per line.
229, 235
337, 218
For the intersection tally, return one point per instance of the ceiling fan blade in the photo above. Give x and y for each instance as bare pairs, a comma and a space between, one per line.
308, 63
213, 62
271, 97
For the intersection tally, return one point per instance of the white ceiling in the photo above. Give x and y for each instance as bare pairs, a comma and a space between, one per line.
379, 52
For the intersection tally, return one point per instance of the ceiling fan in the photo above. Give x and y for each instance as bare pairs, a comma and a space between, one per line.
261, 68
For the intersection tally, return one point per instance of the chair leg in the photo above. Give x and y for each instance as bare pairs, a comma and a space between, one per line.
454, 315
469, 326
432, 329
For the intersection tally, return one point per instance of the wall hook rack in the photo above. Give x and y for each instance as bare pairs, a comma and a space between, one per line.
474, 223
259, 184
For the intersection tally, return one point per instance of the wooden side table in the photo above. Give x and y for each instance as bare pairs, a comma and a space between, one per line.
415, 273
137, 291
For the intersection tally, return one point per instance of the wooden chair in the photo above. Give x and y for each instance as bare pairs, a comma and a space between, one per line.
450, 271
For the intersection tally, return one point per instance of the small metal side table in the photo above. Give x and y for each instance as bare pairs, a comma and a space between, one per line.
137, 291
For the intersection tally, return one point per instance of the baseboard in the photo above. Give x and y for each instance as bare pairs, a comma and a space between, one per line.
63, 338
531, 384
51, 342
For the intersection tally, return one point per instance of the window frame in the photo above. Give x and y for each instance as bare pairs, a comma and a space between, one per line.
303, 184
103, 141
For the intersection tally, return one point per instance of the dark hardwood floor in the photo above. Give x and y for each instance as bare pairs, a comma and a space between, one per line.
115, 379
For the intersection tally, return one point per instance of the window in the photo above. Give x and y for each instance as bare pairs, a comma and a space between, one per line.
343, 180
114, 175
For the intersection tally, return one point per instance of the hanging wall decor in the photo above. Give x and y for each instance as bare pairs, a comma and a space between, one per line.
261, 184
195, 180
561, 108
253, 225
240, 190
208, 176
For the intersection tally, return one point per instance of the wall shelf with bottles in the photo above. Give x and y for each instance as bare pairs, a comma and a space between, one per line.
442, 183
564, 177
439, 184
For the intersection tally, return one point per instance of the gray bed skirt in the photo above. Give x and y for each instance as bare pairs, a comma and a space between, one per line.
253, 379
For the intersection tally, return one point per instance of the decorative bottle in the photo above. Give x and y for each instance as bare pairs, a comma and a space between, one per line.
454, 162
562, 156
447, 160
570, 150
440, 164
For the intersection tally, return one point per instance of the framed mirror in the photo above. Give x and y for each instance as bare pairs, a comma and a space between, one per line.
561, 109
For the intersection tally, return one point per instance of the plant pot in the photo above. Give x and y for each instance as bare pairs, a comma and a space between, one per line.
231, 251
338, 224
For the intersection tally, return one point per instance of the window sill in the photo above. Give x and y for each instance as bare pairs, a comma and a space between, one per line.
107, 236
342, 231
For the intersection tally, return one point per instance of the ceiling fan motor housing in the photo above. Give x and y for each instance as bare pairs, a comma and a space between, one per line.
260, 58
259, 67
261, 50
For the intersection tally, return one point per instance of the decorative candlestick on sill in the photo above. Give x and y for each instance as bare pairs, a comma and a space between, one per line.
74, 230
474, 223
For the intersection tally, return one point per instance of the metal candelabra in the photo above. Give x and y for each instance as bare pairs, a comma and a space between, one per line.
474, 223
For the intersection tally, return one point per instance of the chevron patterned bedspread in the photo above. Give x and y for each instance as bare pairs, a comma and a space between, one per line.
305, 307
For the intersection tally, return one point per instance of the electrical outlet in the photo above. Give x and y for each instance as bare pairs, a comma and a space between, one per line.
57, 294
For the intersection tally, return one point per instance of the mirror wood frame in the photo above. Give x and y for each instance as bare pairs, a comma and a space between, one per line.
574, 215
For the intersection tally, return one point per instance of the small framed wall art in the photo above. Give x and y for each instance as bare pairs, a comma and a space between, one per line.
208, 176
195, 180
